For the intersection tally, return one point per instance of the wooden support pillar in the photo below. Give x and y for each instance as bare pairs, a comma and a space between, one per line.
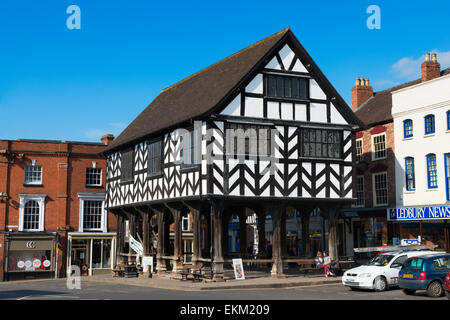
243, 233
162, 246
197, 253
284, 251
146, 233
261, 228
120, 238
226, 218
277, 255
332, 214
217, 209
177, 240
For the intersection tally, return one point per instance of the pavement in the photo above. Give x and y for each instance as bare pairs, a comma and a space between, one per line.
254, 280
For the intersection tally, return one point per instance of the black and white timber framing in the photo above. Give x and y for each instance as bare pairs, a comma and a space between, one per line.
218, 186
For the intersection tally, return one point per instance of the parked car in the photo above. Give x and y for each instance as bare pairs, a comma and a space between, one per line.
447, 285
425, 273
381, 272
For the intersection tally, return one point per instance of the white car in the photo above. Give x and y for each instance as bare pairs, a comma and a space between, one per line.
381, 272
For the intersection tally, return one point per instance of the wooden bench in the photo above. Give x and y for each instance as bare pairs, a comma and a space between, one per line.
117, 271
308, 265
195, 271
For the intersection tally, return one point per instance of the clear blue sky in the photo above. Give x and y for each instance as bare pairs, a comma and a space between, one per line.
66, 84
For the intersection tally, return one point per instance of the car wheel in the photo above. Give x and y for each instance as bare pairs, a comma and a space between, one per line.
380, 284
435, 289
408, 291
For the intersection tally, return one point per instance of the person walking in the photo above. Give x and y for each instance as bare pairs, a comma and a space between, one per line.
320, 263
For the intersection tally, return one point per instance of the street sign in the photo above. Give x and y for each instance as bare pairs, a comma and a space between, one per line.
136, 246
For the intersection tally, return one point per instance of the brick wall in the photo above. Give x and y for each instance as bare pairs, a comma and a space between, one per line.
368, 166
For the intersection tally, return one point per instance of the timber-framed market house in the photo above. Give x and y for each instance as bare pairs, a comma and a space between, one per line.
295, 152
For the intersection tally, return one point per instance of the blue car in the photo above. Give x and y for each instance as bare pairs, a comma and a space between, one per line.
425, 273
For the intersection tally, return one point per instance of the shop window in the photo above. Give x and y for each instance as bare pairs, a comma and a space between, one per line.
379, 146
380, 189
410, 175
33, 175
431, 171
407, 128
33, 260
429, 124
93, 177
319, 143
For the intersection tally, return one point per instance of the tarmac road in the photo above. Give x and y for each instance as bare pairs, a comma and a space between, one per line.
57, 290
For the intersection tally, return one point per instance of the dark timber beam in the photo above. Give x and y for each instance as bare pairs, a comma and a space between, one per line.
217, 209
196, 211
161, 249
261, 229
243, 232
277, 212
177, 213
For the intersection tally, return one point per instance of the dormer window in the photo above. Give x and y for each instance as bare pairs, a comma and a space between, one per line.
286, 87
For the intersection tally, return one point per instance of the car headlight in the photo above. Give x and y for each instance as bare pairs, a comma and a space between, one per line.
365, 275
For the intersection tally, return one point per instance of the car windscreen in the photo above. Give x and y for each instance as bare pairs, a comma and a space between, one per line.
380, 260
413, 263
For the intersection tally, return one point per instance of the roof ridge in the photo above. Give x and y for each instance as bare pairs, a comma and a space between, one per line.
225, 59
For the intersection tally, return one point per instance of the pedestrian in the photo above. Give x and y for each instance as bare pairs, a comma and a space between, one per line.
327, 261
320, 263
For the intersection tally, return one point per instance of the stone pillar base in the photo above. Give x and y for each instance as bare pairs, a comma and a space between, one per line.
160, 266
177, 266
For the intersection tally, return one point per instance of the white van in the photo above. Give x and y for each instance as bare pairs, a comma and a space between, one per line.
381, 272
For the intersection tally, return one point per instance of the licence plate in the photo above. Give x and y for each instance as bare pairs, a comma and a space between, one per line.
408, 276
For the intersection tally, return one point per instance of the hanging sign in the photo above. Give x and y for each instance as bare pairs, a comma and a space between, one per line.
238, 269
136, 246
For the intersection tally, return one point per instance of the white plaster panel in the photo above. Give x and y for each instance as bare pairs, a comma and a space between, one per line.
234, 108
254, 107
273, 110
286, 111
318, 112
299, 67
336, 116
300, 112
273, 64
286, 55
315, 91
256, 85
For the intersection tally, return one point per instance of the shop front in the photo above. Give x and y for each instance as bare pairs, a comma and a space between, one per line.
429, 224
30, 255
93, 253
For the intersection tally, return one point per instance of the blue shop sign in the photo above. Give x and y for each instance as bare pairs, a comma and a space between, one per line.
419, 213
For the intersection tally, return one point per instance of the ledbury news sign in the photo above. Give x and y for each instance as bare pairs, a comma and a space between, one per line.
419, 213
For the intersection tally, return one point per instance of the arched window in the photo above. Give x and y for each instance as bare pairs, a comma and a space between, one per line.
410, 175
432, 171
429, 124
407, 128
31, 214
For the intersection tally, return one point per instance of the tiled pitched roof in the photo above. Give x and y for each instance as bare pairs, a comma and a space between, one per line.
378, 109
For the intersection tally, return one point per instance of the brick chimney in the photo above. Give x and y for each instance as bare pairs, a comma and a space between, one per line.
430, 69
361, 92
107, 139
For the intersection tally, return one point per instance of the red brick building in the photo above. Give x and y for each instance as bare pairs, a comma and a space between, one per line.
52, 211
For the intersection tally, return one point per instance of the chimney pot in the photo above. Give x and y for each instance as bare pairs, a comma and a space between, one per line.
107, 139
434, 57
427, 57
361, 92
366, 82
357, 82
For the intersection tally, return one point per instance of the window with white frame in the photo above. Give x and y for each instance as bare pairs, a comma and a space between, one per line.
31, 212
185, 223
93, 177
359, 192
380, 189
92, 213
379, 146
33, 175
359, 150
